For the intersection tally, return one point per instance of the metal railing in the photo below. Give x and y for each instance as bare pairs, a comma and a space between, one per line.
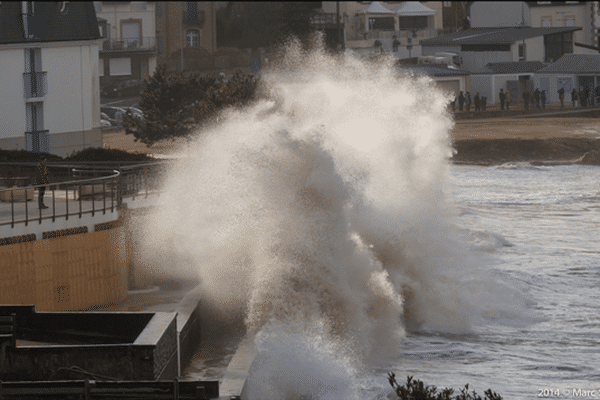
80, 188
67, 199
35, 84
129, 44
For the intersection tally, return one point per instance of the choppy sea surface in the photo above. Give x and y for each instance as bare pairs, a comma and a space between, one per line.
539, 226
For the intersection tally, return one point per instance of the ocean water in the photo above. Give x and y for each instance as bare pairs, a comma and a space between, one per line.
538, 227
326, 220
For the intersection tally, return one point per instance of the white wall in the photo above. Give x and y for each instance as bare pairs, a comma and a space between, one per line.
491, 14
12, 100
114, 13
475, 60
71, 106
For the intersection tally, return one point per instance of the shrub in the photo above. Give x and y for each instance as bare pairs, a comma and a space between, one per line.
416, 390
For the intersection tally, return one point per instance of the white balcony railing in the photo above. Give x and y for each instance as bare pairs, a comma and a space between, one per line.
384, 34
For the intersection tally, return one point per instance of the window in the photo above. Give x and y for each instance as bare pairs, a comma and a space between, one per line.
383, 23
557, 45
192, 38
413, 22
101, 66
33, 60
485, 47
570, 21
119, 66
36, 139
546, 22
447, 4
521, 52
161, 44
191, 10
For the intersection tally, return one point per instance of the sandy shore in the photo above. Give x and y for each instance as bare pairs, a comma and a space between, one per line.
553, 137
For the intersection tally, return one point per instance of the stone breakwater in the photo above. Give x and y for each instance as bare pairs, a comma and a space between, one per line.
546, 151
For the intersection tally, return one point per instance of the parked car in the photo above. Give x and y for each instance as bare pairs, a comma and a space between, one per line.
104, 123
111, 111
136, 112
105, 119
129, 87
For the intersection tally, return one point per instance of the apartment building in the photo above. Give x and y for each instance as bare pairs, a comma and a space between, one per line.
129, 49
49, 78
181, 25
540, 14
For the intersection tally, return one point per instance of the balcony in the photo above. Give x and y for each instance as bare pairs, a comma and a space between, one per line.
421, 34
35, 84
146, 44
37, 141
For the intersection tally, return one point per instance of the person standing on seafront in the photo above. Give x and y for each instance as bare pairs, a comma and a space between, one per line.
468, 101
543, 96
507, 100
561, 97
41, 178
477, 100
526, 99
536, 98
461, 100
574, 97
502, 98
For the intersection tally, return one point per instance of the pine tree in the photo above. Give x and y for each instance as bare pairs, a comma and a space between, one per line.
175, 103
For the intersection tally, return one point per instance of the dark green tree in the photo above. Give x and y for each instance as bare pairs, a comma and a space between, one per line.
174, 103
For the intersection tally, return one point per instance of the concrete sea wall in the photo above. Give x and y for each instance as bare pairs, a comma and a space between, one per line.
74, 272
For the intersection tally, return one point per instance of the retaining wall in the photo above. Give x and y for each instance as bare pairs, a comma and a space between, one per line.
74, 272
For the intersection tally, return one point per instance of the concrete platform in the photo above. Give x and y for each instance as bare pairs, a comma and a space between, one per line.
234, 381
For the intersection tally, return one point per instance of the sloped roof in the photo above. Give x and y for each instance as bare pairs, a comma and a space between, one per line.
413, 9
48, 24
433, 70
512, 67
575, 64
376, 8
504, 35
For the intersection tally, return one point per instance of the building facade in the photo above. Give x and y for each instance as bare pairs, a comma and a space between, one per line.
185, 24
129, 49
539, 14
477, 47
49, 77
396, 28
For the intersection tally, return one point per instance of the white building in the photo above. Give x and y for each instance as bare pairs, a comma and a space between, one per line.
392, 27
539, 14
130, 47
49, 80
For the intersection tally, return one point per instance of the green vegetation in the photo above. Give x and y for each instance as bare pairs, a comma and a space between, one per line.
176, 102
416, 390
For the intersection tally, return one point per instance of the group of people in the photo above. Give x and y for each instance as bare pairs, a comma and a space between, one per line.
464, 102
537, 99
580, 97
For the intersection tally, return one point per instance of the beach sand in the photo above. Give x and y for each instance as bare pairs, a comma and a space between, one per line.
553, 138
